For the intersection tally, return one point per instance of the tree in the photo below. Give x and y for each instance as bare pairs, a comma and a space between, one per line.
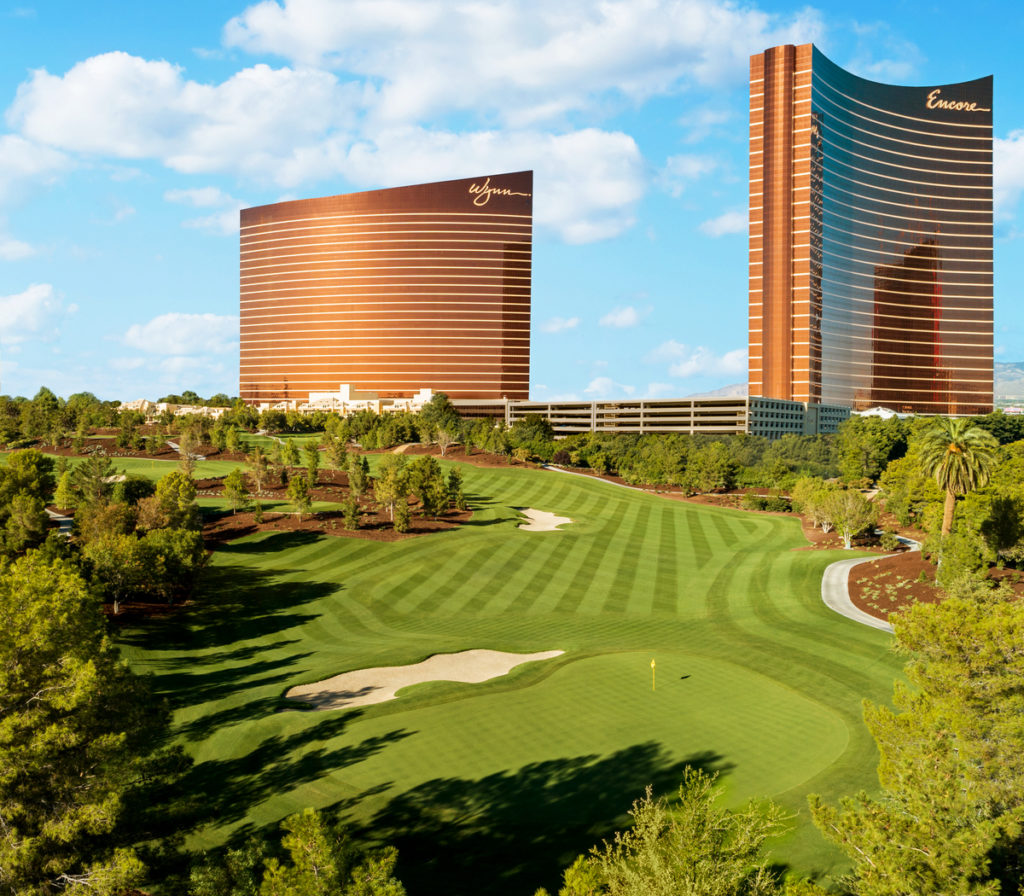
455, 494
93, 477
298, 494
323, 862
257, 462
236, 490
187, 452
426, 481
392, 482
850, 512
319, 860
26, 524
960, 457
176, 497
79, 757
689, 847
289, 454
952, 759
120, 565
358, 474
350, 513
312, 455
65, 497
445, 439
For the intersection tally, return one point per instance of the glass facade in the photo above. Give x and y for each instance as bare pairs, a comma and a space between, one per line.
871, 238
389, 292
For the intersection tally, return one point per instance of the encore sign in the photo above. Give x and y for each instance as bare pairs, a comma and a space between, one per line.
482, 193
934, 102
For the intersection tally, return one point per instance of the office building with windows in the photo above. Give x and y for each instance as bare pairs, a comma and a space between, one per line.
870, 238
389, 292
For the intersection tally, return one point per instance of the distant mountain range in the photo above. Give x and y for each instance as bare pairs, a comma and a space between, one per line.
1009, 385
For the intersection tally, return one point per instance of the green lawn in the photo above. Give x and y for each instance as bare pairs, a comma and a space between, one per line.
506, 781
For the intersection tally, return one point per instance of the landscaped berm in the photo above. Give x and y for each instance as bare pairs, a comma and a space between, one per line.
499, 783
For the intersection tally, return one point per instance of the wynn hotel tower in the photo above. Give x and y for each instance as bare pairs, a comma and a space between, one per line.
870, 238
389, 292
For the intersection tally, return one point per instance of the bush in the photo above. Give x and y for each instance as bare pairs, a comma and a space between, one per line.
777, 504
889, 541
754, 502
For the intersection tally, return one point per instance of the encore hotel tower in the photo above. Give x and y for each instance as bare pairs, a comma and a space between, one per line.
870, 238
389, 291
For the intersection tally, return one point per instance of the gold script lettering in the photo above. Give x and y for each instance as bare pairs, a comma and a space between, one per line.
934, 102
482, 193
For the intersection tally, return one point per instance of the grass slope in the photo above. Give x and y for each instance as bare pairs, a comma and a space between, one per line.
507, 781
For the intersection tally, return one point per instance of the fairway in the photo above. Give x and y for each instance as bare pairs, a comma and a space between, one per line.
506, 781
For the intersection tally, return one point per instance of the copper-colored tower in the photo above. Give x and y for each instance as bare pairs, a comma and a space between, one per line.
870, 238
390, 291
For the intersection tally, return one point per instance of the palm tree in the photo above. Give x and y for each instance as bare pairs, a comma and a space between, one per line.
960, 456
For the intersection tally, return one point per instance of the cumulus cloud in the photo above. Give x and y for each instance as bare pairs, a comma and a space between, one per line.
13, 250
185, 335
882, 55
224, 220
685, 361
621, 317
524, 60
558, 324
729, 222
606, 387
1008, 172
30, 313
23, 162
291, 127
123, 106
682, 170
591, 180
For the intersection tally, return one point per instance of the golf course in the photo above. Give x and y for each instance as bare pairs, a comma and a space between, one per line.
507, 780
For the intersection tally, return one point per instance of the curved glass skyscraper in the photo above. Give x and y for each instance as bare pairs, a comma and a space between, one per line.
389, 292
870, 238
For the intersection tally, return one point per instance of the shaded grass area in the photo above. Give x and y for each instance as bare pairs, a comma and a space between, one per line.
506, 781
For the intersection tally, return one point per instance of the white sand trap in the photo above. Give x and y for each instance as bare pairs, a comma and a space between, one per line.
541, 521
366, 686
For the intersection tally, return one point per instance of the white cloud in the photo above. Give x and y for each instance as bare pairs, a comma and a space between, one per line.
660, 390
1008, 172
224, 221
13, 250
621, 317
23, 162
123, 106
29, 313
729, 222
606, 387
685, 361
185, 335
291, 127
682, 170
523, 60
882, 55
588, 181
558, 324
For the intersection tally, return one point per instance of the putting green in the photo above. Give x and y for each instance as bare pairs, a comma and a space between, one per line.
506, 780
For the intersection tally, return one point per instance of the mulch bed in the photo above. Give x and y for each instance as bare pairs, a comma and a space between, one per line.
331, 486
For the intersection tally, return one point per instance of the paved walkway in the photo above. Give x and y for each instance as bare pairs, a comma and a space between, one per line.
836, 595
835, 590
64, 523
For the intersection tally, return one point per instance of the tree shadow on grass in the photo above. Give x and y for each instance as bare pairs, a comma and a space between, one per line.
225, 789
517, 830
237, 604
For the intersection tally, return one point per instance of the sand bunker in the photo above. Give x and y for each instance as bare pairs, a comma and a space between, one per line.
366, 686
541, 520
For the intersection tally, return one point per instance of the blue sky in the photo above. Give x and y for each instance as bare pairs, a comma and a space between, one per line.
132, 134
